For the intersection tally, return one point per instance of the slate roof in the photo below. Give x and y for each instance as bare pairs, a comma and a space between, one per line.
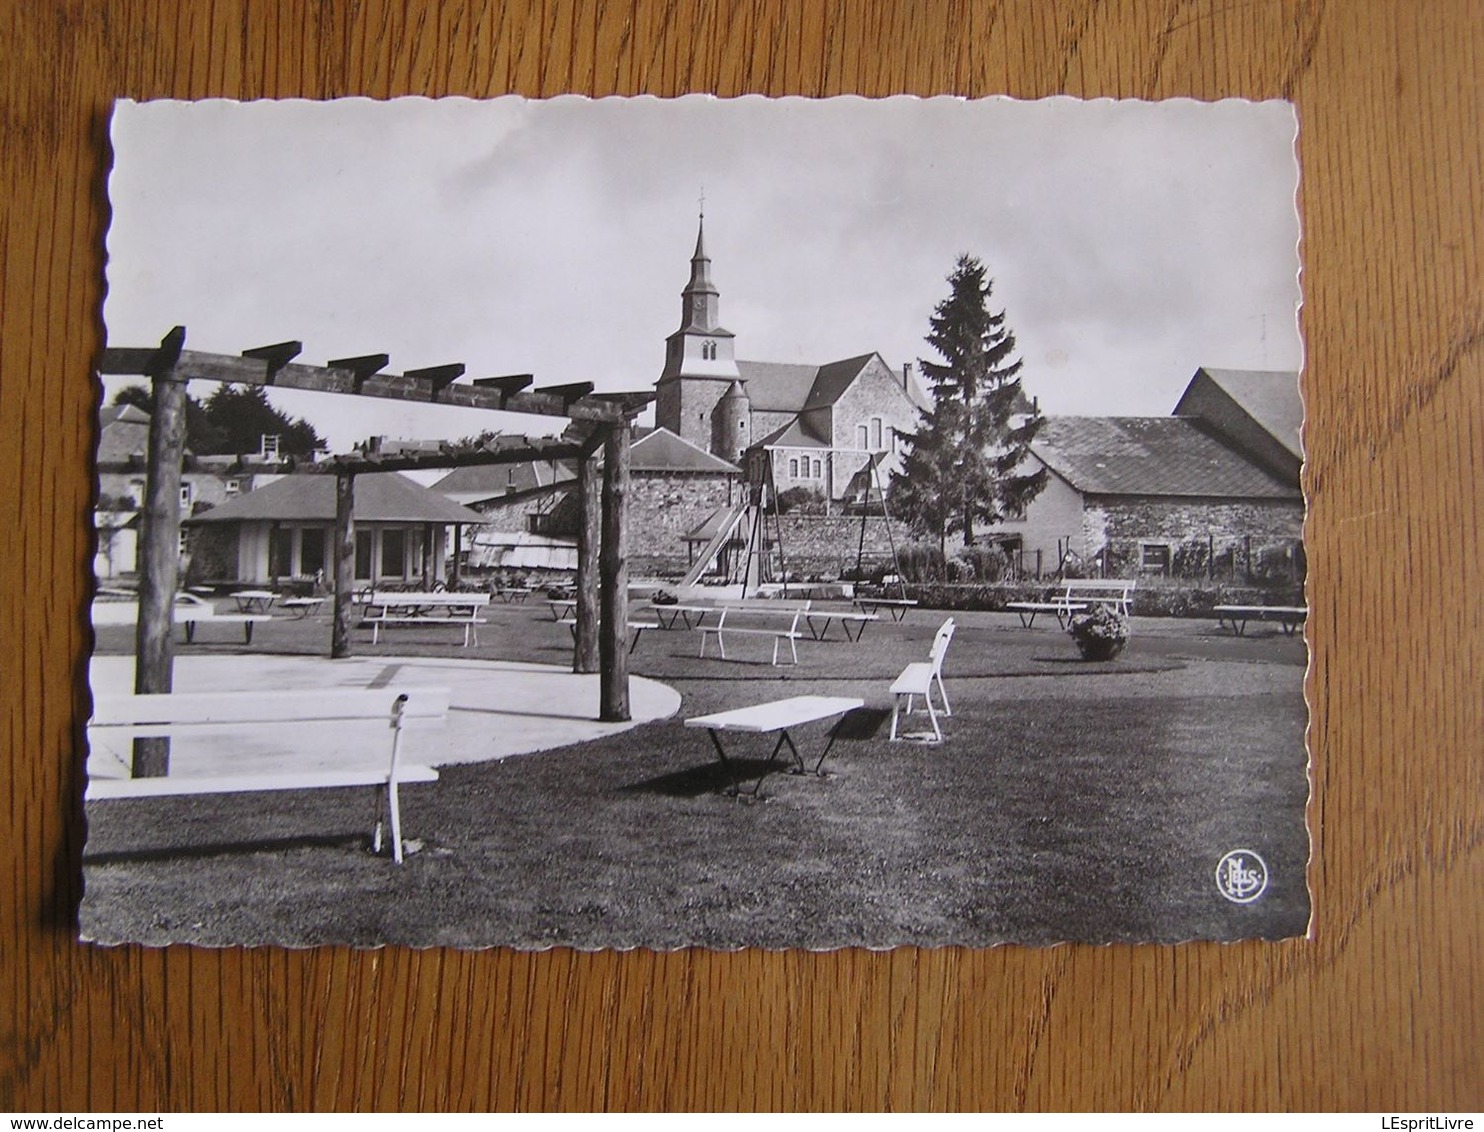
663, 451
486, 481
833, 379
777, 387
380, 497
123, 432
1270, 397
1171, 456
795, 434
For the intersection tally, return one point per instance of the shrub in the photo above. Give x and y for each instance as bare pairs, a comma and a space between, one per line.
1100, 632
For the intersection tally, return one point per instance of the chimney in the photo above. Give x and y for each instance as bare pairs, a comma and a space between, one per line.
907, 377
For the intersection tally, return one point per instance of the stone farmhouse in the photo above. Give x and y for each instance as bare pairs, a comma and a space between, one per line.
1212, 489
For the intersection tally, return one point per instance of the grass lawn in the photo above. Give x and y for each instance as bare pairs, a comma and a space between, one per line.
1070, 802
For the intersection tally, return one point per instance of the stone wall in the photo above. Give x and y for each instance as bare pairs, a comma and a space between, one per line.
663, 506
825, 545
1223, 539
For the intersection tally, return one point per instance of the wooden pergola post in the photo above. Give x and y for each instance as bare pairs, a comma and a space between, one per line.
345, 564
585, 656
159, 558
613, 572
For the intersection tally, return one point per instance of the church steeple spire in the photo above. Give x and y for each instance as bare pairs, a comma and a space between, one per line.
700, 364
701, 300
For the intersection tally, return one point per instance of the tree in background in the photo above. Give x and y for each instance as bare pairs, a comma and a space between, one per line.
965, 465
233, 421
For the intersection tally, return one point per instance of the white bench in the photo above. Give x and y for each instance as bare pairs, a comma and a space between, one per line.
775, 715
442, 608
183, 713
918, 679
776, 619
1075, 595
1290, 617
192, 613
635, 625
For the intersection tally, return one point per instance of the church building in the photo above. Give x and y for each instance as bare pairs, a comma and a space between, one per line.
818, 425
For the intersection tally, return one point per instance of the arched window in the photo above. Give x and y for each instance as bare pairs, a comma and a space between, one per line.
875, 434
793, 468
861, 437
818, 471
708, 350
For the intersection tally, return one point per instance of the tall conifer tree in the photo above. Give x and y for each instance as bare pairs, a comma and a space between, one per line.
965, 464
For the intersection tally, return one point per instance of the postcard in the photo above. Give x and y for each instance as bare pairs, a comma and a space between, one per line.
704, 522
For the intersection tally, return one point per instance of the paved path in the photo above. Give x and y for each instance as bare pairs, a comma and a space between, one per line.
499, 708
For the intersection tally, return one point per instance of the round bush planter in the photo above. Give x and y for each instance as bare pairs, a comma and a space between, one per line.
1100, 648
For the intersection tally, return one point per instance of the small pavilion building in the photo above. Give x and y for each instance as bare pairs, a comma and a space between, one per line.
285, 531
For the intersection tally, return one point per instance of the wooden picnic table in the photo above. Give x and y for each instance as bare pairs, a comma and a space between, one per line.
441, 608
781, 716
895, 607
254, 601
1290, 617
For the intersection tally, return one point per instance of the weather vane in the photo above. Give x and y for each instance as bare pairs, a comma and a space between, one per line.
703, 201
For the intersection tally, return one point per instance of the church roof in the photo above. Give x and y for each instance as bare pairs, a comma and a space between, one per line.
1169, 456
795, 434
663, 451
777, 387
380, 497
833, 379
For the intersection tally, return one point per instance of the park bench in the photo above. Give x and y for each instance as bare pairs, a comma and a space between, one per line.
1290, 617
636, 625
918, 679
1073, 596
776, 619
184, 713
442, 608
819, 620
302, 607
190, 610
766, 718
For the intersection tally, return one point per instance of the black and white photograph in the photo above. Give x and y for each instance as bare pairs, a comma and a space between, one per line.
699, 523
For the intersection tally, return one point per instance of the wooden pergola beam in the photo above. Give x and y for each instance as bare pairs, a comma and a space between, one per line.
337, 465
438, 377
277, 356
555, 401
574, 391
506, 384
363, 366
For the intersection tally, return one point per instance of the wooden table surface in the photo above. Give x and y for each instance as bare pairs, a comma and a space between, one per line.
1381, 1009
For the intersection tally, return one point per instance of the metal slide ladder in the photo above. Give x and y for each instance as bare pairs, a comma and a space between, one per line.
713, 548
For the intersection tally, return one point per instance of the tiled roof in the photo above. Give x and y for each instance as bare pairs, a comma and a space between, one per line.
1170, 456
663, 451
123, 432
777, 387
483, 481
380, 497
795, 434
833, 379
1269, 397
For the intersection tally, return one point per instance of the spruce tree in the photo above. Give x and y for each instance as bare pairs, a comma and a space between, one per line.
965, 466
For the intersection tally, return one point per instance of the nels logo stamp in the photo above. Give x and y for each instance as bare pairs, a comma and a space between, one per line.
1241, 876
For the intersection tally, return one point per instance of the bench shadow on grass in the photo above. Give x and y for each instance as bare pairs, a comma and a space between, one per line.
208, 850
860, 725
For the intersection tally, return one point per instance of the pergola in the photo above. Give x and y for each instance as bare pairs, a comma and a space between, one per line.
600, 423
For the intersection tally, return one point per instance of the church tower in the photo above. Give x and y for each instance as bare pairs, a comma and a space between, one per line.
700, 365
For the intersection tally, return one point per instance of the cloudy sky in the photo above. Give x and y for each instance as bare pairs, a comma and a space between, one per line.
1129, 242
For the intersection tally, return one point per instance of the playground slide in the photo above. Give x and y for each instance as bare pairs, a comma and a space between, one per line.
713, 548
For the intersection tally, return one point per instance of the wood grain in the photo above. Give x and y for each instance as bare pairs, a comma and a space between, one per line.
1380, 1010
